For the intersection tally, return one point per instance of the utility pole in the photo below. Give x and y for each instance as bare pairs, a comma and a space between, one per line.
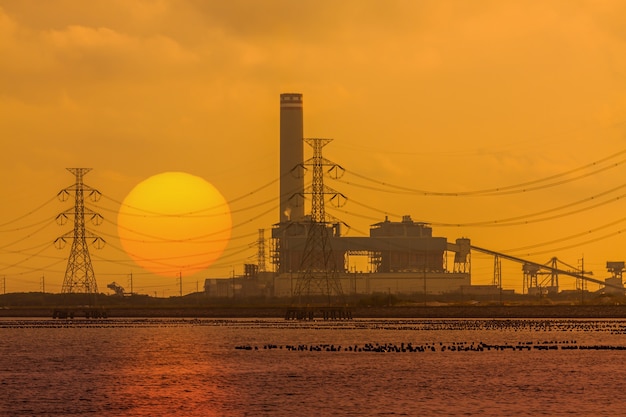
232, 282
180, 282
583, 283
131, 283
43, 284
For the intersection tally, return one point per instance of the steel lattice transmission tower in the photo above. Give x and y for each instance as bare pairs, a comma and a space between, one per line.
318, 270
261, 250
79, 275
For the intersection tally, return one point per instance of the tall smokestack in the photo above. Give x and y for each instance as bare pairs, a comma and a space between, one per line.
291, 157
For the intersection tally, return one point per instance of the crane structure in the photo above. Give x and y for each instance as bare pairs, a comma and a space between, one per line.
117, 289
533, 269
549, 283
616, 270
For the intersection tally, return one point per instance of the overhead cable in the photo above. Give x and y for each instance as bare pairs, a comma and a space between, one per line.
496, 191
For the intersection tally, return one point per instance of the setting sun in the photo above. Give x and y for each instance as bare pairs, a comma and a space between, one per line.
174, 223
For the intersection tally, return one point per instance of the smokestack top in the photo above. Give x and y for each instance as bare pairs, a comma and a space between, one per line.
293, 100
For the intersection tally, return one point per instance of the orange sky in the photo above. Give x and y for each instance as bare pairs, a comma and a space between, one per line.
445, 96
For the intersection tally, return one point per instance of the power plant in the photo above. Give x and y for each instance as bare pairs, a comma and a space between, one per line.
402, 256
311, 258
313, 262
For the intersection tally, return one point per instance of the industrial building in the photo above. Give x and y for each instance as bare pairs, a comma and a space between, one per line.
402, 256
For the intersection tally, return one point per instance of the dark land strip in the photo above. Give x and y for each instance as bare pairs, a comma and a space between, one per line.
446, 311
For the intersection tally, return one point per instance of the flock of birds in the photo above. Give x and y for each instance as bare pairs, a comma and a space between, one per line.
530, 328
435, 347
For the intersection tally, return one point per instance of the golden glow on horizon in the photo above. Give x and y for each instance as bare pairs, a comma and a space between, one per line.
174, 223
444, 96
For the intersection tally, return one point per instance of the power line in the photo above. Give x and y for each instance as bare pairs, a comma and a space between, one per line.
38, 269
28, 236
190, 240
510, 221
25, 259
26, 250
496, 191
201, 210
28, 213
17, 229
569, 237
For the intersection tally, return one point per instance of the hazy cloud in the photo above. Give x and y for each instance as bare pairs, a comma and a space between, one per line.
438, 95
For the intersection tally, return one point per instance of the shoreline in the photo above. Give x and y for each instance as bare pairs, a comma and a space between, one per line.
399, 312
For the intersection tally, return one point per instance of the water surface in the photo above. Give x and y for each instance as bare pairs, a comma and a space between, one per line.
158, 367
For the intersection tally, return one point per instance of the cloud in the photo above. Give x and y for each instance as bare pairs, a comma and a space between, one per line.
441, 95
102, 54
